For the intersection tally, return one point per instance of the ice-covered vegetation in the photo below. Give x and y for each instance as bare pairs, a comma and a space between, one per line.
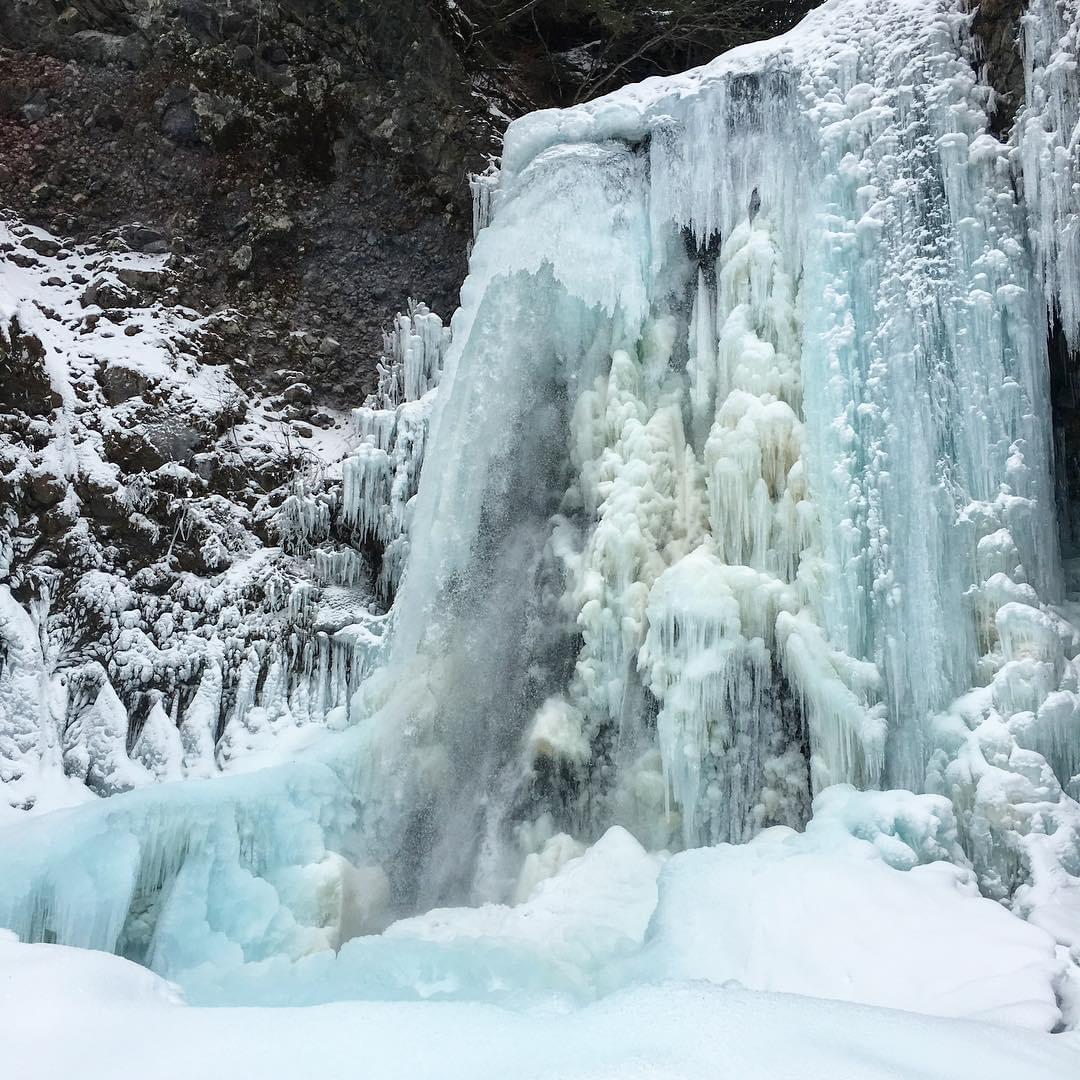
186, 576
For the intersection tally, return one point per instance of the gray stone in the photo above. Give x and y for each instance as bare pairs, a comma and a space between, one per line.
143, 280
41, 246
122, 382
240, 260
35, 108
142, 237
179, 124
106, 294
297, 394
98, 47
105, 116
46, 490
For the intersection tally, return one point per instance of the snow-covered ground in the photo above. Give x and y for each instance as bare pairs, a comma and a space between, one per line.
713, 963
70, 1013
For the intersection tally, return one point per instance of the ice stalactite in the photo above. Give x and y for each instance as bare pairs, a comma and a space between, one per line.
382, 476
691, 557
95, 745
198, 725
1049, 145
719, 720
184, 876
482, 187
928, 375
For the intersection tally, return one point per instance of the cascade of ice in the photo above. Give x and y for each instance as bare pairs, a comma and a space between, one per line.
838, 415
925, 359
1050, 152
382, 476
737, 484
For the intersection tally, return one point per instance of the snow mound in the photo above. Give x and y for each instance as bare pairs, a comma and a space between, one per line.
786, 913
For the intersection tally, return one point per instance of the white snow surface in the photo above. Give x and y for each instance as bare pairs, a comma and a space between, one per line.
120, 1020
788, 913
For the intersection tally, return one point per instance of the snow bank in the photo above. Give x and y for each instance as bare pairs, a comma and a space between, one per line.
787, 914
873, 904
121, 1022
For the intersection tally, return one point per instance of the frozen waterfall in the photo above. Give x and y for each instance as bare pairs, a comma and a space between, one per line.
741, 473
738, 485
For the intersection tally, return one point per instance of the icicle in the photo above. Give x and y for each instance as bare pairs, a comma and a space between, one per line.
483, 187
702, 366
198, 728
1046, 130
159, 748
95, 745
708, 654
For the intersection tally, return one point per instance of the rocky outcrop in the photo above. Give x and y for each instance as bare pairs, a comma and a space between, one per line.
146, 548
996, 26
308, 156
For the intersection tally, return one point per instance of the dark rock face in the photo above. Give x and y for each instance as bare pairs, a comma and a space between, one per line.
996, 26
24, 383
309, 155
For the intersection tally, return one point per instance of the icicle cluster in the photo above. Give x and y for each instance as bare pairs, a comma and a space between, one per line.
1049, 144
380, 478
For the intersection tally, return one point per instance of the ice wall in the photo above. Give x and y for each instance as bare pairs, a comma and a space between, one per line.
783, 315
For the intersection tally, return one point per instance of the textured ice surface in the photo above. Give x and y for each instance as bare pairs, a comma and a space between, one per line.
559, 945
783, 314
200, 872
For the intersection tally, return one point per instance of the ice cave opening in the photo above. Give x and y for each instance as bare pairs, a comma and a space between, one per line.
721, 532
